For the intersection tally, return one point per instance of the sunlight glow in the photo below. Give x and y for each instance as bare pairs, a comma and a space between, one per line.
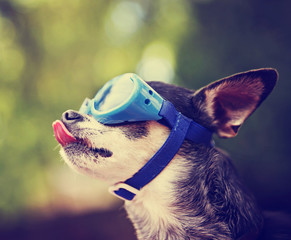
125, 20
157, 63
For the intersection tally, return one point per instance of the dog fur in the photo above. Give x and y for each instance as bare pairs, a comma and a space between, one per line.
198, 195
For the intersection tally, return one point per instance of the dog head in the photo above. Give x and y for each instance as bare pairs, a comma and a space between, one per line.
115, 152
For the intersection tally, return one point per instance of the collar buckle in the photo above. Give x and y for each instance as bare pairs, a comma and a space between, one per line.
123, 191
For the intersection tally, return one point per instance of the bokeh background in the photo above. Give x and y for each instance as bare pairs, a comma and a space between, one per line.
55, 53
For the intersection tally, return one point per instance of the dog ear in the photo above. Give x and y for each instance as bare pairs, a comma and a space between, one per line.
230, 101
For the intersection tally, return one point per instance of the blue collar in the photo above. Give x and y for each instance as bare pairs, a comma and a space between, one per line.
182, 128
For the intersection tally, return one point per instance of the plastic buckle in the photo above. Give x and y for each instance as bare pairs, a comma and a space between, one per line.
122, 185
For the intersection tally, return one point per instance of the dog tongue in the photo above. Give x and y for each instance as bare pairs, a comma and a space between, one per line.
62, 134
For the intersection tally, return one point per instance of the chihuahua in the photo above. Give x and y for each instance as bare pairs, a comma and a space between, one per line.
198, 195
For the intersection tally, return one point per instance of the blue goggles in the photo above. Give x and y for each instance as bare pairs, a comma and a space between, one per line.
127, 98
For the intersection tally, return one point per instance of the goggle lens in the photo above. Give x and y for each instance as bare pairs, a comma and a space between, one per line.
110, 97
85, 107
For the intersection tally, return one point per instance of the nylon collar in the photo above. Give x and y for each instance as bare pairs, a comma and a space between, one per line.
182, 128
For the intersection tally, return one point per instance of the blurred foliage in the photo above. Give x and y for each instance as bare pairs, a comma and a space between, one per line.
55, 53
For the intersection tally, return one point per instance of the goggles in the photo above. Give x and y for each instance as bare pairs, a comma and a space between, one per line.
127, 98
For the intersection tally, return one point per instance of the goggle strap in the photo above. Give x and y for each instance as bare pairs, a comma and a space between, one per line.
196, 133
199, 134
159, 161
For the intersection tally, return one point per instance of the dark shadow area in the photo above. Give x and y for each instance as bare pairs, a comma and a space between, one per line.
109, 225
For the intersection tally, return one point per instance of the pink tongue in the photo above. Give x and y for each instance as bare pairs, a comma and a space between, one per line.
62, 134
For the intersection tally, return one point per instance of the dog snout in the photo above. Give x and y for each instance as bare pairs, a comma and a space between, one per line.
71, 116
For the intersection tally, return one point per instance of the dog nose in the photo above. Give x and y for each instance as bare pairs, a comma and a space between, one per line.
71, 116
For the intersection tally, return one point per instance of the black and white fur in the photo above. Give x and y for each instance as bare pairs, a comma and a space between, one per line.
198, 195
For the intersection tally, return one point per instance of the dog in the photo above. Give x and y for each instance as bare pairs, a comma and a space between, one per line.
199, 195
